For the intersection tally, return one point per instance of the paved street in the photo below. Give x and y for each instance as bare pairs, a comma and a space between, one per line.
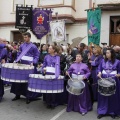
19, 110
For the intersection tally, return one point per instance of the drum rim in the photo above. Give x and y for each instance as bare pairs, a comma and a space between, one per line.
43, 77
43, 91
11, 65
107, 94
12, 80
74, 93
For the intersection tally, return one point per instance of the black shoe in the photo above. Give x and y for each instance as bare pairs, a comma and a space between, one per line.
48, 106
52, 107
0, 99
17, 97
113, 116
100, 116
28, 101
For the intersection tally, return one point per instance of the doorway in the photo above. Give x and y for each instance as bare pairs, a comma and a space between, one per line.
115, 30
17, 36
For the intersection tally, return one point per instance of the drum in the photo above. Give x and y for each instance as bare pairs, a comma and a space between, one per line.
14, 72
45, 84
106, 87
75, 86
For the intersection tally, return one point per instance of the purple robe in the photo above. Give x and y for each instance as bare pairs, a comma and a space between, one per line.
94, 64
21, 88
3, 55
81, 103
51, 61
33, 52
2, 46
109, 104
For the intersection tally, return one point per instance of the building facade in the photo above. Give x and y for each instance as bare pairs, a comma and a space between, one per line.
110, 21
73, 11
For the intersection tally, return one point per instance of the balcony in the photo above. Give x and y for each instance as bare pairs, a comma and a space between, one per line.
65, 8
109, 5
107, 2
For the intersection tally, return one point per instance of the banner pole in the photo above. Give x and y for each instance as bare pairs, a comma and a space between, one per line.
40, 46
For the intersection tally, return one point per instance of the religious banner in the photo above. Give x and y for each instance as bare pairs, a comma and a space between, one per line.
58, 30
40, 25
23, 18
94, 25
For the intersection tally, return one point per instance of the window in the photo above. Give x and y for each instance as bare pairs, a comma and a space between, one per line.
115, 25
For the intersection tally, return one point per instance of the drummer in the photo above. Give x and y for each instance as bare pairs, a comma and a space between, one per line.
51, 60
110, 66
31, 58
95, 61
81, 103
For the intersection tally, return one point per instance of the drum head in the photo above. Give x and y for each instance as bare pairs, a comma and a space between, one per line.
75, 87
106, 82
76, 84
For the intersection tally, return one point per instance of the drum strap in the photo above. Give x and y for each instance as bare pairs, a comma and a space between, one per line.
24, 52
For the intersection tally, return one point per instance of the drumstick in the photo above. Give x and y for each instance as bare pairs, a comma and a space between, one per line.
101, 78
70, 77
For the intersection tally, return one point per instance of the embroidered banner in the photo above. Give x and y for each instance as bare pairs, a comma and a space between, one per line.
94, 25
23, 17
58, 30
40, 24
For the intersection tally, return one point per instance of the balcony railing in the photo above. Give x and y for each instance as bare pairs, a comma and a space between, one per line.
98, 2
56, 3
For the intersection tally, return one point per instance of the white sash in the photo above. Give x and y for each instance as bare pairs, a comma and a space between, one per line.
113, 72
77, 76
27, 58
50, 69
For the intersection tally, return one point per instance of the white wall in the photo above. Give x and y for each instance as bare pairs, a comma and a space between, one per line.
80, 6
7, 15
6, 10
6, 32
107, 1
74, 31
77, 30
105, 24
